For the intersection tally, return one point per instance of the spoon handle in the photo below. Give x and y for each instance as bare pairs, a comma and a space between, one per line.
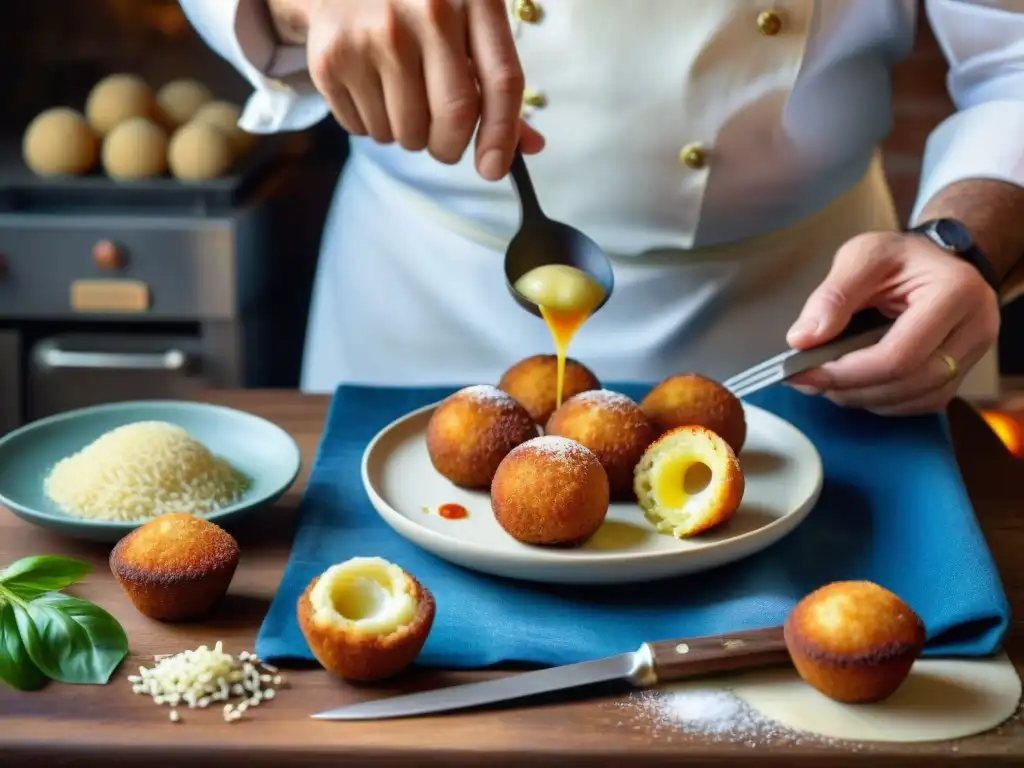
524, 186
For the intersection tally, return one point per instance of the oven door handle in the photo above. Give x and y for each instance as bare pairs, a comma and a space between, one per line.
171, 360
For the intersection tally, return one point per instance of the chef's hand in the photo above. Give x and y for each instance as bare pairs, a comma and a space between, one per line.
423, 73
946, 318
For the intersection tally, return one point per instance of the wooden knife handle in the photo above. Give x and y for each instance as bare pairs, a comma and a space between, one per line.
680, 659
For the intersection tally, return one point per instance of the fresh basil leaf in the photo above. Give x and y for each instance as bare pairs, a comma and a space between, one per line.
33, 576
72, 640
16, 667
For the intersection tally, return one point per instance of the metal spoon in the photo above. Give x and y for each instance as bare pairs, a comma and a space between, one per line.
541, 241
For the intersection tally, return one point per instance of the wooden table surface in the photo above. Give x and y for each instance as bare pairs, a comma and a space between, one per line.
89, 725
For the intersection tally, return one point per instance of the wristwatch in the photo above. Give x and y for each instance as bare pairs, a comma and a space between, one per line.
952, 236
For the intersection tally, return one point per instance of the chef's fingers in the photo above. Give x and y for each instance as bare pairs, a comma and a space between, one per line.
905, 348
531, 141
931, 402
367, 91
344, 110
328, 54
500, 76
957, 353
860, 266
405, 96
451, 90
965, 347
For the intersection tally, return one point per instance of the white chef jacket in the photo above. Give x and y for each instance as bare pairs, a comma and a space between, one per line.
700, 152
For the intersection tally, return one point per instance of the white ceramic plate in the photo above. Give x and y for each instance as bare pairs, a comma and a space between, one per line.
783, 480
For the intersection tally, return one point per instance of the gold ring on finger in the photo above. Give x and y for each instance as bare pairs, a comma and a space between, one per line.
951, 364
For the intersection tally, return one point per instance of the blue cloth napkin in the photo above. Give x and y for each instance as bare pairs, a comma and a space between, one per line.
893, 510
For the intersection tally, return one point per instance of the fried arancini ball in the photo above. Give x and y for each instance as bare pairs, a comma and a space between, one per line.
534, 383
365, 619
550, 491
472, 431
690, 400
135, 149
613, 427
225, 116
59, 142
176, 566
179, 100
854, 641
117, 98
688, 482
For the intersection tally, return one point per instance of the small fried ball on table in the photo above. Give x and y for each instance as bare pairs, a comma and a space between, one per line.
365, 619
688, 482
550, 491
690, 399
472, 430
176, 566
534, 383
854, 641
612, 426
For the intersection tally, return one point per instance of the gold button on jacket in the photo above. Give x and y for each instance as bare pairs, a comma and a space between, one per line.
769, 23
693, 156
527, 10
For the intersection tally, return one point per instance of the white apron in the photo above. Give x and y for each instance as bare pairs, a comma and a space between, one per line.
410, 288
406, 293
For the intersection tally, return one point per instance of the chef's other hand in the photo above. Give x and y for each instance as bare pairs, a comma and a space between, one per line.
946, 318
423, 73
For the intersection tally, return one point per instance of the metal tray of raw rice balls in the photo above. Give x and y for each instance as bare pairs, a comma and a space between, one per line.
262, 452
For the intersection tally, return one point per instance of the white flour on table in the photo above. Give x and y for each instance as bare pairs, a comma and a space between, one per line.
717, 715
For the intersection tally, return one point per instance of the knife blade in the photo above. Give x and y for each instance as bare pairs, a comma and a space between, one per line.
652, 663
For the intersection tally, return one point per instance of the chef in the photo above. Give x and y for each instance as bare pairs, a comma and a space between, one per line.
724, 154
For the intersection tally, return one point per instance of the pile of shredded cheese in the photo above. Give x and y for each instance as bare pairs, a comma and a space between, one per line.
196, 679
142, 470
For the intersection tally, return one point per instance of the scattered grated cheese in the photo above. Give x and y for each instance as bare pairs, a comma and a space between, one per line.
204, 676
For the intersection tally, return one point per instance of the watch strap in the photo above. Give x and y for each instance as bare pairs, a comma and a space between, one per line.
965, 250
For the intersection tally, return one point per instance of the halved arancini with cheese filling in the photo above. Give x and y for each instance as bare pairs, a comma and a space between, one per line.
688, 481
365, 619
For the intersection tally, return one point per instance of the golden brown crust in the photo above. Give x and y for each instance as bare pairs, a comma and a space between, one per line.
613, 427
472, 431
549, 497
354, 655
730, 482
533, 382
175, 567
854, 641
690, 399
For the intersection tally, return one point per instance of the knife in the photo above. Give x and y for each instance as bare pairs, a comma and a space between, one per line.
653, 663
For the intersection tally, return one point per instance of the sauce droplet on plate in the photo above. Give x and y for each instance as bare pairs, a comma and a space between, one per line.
452, 511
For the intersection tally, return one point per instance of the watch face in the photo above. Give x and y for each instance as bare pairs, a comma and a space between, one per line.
953, 234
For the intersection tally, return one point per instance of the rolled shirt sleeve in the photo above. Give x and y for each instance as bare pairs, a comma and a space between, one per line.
239, 31
983, 40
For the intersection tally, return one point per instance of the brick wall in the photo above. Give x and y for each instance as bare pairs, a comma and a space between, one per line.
920, 102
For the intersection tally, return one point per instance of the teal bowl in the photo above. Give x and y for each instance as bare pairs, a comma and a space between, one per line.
264, 452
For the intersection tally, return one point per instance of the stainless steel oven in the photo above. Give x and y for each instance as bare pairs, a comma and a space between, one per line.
10, 381
75, 371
